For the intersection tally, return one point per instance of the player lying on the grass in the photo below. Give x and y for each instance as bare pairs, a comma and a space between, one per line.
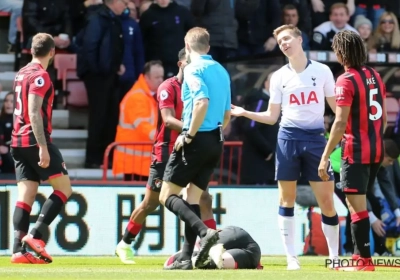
235, 249
170, 106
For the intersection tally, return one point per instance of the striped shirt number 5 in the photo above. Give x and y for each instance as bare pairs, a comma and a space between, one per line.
377, 112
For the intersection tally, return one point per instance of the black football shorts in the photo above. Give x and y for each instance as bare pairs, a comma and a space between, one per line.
357, 178
26, 164
156, 174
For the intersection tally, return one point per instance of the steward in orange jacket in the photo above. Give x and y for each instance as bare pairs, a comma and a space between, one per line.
138, 123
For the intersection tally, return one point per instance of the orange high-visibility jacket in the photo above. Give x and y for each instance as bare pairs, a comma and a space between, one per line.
137, 123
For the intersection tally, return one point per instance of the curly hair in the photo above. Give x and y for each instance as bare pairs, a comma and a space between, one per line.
351, 48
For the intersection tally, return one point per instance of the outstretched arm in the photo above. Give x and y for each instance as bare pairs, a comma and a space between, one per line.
270, 116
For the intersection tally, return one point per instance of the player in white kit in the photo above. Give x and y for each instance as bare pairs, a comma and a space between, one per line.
299, 90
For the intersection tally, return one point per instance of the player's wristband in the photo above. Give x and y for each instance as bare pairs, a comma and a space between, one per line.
372, 217
397, 212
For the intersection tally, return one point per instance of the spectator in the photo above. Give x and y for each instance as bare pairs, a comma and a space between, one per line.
255, 34
338, 21
218, 17
99, 64
137, 123
164, 26
303, 9
13, 7
371, 9
6, 126
133, 59
48, 16
386, 37
321, 9
364, 27
258, 160
291, 16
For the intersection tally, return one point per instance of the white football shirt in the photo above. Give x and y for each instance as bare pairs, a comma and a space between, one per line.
302, 95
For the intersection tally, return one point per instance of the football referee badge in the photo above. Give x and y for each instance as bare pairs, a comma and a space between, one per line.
194, 84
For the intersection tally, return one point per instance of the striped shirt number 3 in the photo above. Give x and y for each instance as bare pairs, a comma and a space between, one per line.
18, 103
376, 113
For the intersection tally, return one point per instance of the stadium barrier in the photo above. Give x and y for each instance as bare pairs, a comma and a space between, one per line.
94, 218
228, 171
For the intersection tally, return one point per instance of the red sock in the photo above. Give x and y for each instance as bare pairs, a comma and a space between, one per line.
211, 223
132, 229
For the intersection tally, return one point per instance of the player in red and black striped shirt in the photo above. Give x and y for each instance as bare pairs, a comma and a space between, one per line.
360, 122
169, 128
36, 158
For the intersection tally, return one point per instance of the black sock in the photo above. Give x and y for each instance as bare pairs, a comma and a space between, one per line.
182, 209
21, 224
360, 227
50, 210
353, 239
190, 237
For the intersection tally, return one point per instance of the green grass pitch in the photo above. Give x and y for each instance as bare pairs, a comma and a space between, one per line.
149, 268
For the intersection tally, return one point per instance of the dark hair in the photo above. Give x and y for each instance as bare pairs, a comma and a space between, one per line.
3, 108
42, 44
182, 54
149, 64
350, 47
289, 7
391, 149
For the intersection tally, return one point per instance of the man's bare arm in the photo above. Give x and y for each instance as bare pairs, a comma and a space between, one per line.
34, 110
270, 116
332, 103
168, 116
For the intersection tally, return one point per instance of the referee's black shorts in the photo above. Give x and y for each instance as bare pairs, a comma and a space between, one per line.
26, 164
202, 156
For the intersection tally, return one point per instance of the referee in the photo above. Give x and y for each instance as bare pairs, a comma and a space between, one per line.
206, 112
